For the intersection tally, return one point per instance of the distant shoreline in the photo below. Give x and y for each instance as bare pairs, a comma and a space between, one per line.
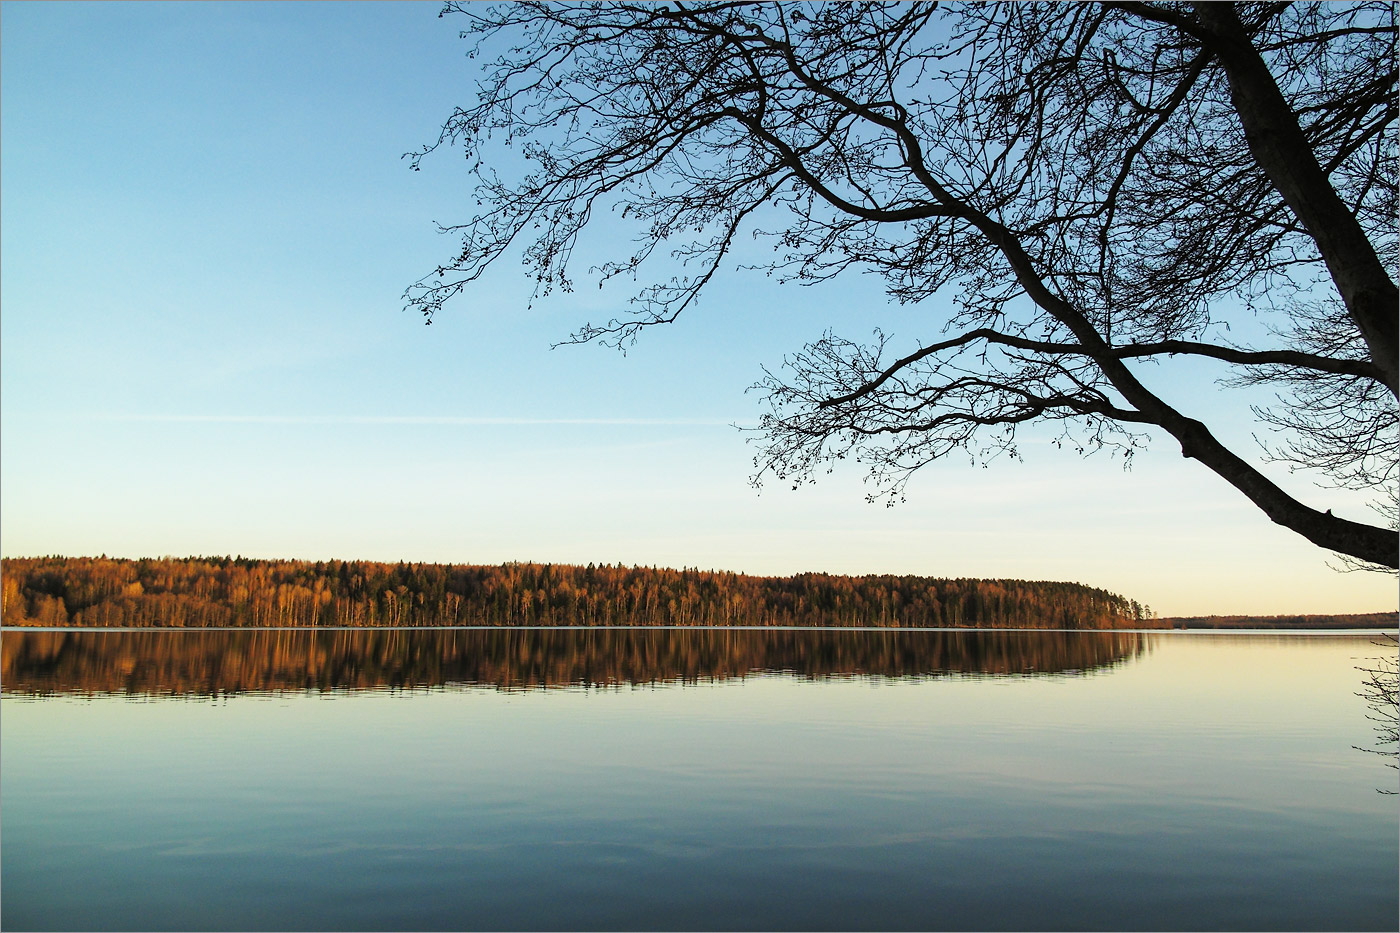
1355, 622
1361, 620
238, 593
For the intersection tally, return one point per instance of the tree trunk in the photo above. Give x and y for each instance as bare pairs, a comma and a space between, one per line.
1282, 151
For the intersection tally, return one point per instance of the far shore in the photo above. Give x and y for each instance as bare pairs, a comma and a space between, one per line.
255, 593
1368, 621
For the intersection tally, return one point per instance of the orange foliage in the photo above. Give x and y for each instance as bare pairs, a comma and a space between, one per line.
206, 592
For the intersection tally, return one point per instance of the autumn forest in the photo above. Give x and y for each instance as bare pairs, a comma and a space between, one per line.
203, 592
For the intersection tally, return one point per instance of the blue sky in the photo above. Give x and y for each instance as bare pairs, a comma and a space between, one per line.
205, 233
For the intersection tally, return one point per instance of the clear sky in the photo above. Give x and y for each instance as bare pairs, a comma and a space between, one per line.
205, 231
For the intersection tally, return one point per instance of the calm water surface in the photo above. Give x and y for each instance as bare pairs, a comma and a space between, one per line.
624, 779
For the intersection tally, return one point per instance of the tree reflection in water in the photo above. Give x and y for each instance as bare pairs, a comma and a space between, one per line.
1380, 688
214, 663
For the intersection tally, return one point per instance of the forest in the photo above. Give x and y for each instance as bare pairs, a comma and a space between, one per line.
235, 592
1384, 620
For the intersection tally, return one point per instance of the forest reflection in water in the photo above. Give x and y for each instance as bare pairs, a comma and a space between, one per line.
759, 779
213, 663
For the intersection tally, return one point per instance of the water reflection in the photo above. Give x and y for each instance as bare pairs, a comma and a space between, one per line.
1380, 688
213, 663
1210, 784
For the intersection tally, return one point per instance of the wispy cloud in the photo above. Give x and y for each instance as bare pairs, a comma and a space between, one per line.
413, 420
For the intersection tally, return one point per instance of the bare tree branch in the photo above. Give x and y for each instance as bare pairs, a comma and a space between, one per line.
1063, 190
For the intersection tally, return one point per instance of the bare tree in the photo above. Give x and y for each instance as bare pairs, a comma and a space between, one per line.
1073, 190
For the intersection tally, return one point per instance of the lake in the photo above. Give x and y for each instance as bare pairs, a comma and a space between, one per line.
692, 779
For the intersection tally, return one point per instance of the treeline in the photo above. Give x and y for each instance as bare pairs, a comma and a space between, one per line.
218, 663
203, 592
1354, 620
